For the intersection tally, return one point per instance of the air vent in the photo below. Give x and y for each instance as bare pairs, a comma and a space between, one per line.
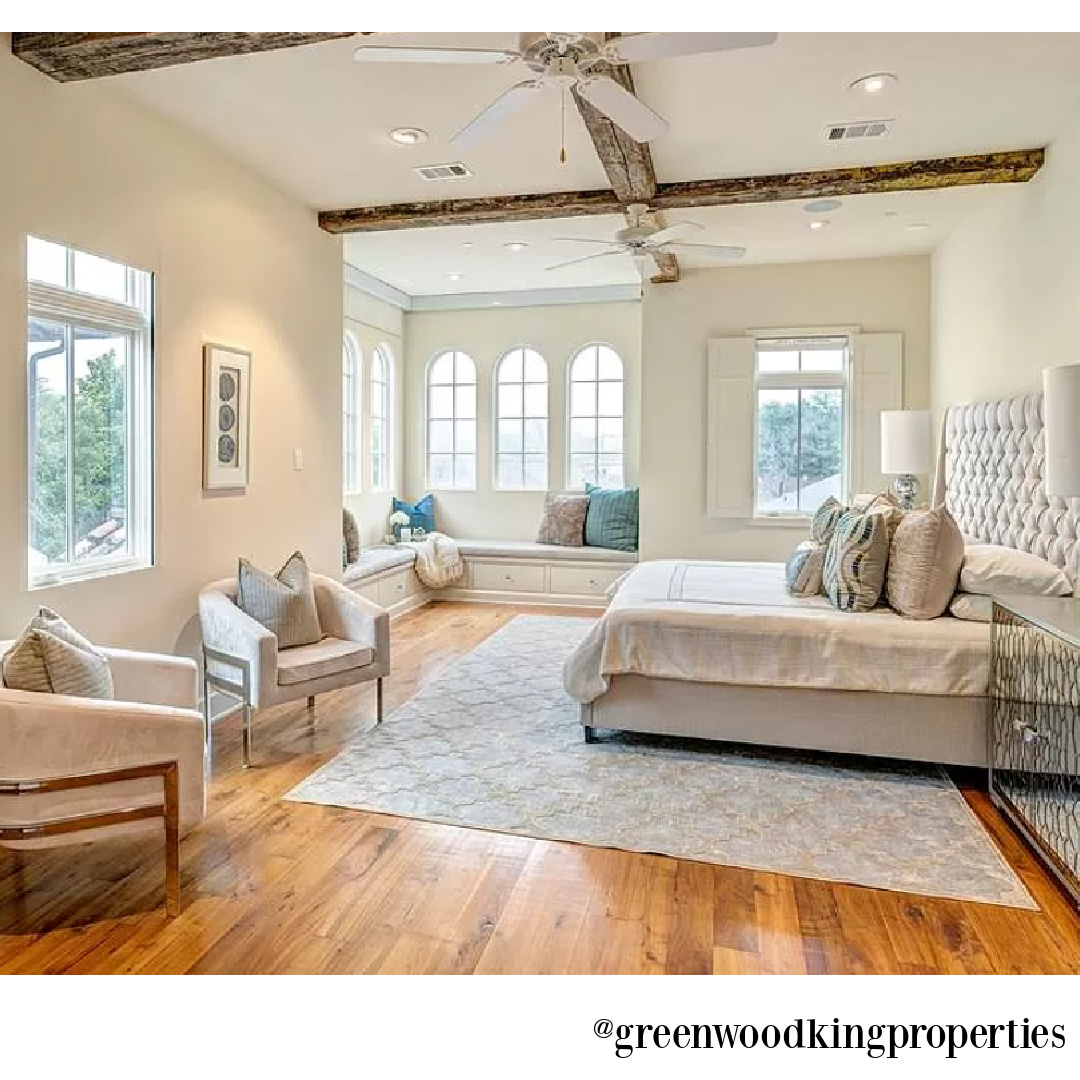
863, 129
454, 171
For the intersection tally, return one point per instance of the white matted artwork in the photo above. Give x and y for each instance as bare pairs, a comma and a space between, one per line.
226, 417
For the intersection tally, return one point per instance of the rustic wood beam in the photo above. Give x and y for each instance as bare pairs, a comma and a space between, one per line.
74, 57
1005, 167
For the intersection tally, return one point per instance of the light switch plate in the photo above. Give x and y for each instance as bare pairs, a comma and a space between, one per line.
298, 460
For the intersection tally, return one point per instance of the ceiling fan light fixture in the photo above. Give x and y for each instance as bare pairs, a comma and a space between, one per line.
408, 136
874, 83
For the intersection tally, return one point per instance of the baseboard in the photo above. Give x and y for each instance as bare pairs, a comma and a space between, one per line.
544, 599
410, 603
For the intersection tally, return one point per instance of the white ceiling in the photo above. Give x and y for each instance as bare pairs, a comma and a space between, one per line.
315, 123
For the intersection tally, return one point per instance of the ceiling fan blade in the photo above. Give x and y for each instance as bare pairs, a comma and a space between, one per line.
587, 258
637, 47
622, 108
587, 240
506, 103
710, 251
405, 54
673, 232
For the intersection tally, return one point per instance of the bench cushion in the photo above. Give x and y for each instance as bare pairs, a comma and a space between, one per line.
374, 560
526, 549
330, 656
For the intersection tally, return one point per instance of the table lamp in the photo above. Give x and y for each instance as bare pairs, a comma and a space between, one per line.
1061, 419
905, 451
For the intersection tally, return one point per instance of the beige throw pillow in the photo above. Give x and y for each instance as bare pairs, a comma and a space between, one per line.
924, 563
855, 561
284, 602
803, 571
52, 657
971, 608
564, 519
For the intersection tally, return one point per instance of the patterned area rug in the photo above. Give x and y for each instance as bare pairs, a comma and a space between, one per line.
495, 743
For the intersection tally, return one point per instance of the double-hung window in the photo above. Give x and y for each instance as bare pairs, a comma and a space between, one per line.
90, 414
382, 366
451, 421
800, 405
596, 436
351, 366
521, 421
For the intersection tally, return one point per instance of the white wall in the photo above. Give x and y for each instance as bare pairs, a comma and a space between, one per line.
1007, 287
677, 321
372, 323
237, 262
557, 333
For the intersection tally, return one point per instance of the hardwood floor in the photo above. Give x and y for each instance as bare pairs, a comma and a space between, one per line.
271, 886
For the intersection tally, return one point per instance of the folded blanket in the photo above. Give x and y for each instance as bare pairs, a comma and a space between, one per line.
438, 560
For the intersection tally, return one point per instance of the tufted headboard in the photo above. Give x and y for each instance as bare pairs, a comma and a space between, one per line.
990, 473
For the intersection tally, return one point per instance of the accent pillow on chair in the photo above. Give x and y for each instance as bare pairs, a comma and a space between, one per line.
421, 514
283, 602
924, 563
564, 519
52, 657
612, 518
855, 561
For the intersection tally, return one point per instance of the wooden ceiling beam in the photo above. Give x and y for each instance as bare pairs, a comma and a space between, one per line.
1004, 167
76, 57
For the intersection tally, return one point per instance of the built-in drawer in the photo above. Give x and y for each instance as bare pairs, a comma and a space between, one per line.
397, 587
508, 577
584, 580
370, 591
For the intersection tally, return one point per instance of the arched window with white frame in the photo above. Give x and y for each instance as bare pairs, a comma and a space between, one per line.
351, 364
521, 421
382, 381
596, 436
451, 421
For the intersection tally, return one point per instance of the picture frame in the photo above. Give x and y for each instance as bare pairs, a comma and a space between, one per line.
226, 418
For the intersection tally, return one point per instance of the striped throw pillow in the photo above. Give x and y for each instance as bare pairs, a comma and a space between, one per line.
856, 560
612, 518
283, 602
803, 572
826, 519
52, 657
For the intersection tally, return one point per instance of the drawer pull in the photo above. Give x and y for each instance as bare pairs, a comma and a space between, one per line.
508, 577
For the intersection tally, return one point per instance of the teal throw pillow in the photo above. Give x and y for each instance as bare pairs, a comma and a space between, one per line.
421, 515
612, 518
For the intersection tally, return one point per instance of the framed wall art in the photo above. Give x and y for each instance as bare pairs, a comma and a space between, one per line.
226, 418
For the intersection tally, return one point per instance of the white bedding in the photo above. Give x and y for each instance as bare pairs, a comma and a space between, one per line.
735, 623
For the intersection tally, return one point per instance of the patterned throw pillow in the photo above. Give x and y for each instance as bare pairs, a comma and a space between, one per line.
421, 514
564, 520
803, 572
924, 563
856, 560
350, 538
612, 518
51, 657
284, 602
825, 520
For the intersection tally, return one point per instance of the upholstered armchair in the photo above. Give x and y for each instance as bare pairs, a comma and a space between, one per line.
242, 658
73, 769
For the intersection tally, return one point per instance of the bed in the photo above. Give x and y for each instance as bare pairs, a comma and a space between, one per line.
720, 651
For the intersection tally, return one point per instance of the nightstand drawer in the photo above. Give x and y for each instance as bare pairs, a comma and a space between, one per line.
583, 580
508, 577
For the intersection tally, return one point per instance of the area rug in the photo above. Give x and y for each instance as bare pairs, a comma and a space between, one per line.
494, 742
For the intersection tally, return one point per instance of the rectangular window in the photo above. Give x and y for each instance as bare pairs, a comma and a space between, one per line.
89, 414
800, 453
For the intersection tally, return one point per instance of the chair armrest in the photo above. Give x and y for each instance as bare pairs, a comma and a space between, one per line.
352, 617
154, 678
227, 629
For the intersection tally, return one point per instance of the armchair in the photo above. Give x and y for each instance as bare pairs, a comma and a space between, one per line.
242, 658
76, 768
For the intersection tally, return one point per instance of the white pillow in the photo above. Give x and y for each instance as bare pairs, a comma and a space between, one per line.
970, 607
989, 569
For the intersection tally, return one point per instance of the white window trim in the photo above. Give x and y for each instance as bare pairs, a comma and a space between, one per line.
69, 307
803, 381
495, 418
427, 420
570, 486
351, 344
383, 351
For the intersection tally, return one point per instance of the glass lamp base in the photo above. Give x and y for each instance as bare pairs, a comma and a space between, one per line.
906, 488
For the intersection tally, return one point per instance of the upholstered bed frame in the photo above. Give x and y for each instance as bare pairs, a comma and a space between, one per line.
990, 469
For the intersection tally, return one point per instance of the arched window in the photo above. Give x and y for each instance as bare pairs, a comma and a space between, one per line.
521, 421
382, 378
350, 414
596, 418
451, 421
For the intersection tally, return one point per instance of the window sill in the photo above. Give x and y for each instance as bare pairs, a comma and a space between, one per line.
72, 576
781, 522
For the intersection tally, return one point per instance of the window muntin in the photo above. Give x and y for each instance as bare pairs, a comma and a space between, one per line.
800, 446
521, 421
89, 414
382, 367
451, 421
596, 418
351, 364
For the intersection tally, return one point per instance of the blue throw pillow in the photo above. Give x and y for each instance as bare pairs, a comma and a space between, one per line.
612, 518
422, 515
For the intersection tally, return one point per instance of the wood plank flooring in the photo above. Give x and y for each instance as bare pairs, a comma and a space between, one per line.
271, 886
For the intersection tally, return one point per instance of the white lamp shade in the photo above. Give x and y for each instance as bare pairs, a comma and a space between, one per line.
905, 442
1061, 416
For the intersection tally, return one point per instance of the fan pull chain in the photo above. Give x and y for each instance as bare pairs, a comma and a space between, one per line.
562, 127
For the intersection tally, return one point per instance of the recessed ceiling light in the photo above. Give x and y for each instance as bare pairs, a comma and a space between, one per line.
823, 206
917, 226
516, 245
892, 213
819, 224
408, 136
467, 244
455, 277
874, 83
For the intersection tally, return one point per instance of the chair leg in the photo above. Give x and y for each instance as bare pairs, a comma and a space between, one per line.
378, 702
590, 734
247, 737
208, 720
311, 702
172, 840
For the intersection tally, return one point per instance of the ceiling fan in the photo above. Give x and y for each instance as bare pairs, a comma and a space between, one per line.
563, 60
643, 239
